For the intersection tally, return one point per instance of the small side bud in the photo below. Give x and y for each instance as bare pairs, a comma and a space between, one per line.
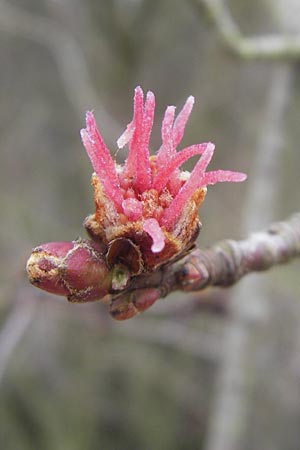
144, 298
76, 269
132, 303
122, 308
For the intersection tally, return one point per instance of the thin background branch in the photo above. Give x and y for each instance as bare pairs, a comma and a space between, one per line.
264, 47
14, 328
69, 58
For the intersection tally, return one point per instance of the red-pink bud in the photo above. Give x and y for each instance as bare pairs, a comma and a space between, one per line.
122, 308
132, 303
144, 298
77, 270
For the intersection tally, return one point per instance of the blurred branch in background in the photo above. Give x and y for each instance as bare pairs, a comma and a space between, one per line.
259, 47
234, 396
198, 343
15, 325
68, 55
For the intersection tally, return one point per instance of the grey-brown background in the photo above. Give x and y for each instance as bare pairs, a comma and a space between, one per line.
70, 377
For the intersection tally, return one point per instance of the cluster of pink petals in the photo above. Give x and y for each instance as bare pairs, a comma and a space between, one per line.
126, 185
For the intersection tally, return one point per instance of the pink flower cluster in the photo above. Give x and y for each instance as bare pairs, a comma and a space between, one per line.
146, 213
142, 177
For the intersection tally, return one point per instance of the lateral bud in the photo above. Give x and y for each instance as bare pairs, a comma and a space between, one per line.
132, 303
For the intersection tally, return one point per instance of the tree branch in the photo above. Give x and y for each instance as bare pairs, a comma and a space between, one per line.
226, 262
258, 47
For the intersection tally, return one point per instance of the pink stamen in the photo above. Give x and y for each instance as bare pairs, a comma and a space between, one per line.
220, 176
151, 226
181, 120
126, 135
167, 126
143, 172
131, 161
172, 213
167, 149
101, 160
164, 173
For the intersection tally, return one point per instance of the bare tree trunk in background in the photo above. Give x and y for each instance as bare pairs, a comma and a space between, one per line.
234, 391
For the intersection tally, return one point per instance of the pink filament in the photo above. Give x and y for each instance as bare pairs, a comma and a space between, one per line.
167, 149
174, 163
131, 161
143, 172
172, 132
182, 119
220, 176
126, 135
137, 133
194, 182
101, 160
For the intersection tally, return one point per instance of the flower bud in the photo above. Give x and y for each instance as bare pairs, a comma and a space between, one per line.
76, 269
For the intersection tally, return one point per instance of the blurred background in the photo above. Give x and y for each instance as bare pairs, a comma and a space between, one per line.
214, 371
